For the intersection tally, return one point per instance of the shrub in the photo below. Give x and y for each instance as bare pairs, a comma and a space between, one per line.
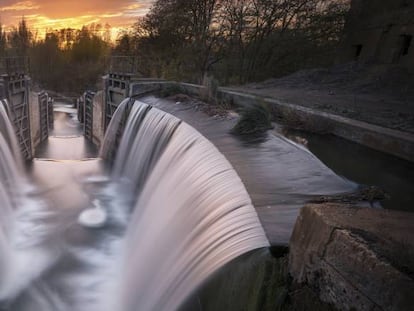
254, 119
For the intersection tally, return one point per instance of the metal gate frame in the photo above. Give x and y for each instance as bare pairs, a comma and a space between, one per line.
88, 115
116, 90
43, 115
16, 89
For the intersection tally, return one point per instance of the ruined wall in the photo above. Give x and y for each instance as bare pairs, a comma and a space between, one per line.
380, 32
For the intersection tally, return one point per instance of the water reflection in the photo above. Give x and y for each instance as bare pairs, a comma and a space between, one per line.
366, 166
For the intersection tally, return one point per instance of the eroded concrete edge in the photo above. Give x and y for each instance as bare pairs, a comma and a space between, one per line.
329, 253
396, 143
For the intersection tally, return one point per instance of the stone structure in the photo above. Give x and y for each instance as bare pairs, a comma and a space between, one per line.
14, 87
35, 123
116, 90
379, 138
98, 118
355, 258
88, 116
29, 111
380, 32
123, 70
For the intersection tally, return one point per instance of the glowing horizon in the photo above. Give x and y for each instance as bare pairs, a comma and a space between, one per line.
46, 15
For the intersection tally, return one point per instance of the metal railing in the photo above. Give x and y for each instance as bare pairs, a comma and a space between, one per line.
14, 65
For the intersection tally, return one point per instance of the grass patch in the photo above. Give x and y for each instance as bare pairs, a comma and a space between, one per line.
298, 120
254, 119
172, 89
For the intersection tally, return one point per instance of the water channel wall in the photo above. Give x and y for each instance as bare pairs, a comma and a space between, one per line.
95, 110
41, 117
98, 123
28, 111
15, 89
34, 110
389, 141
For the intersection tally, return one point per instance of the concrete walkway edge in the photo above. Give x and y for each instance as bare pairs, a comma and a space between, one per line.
393, 142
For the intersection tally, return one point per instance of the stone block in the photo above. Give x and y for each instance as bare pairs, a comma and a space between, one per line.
355, 258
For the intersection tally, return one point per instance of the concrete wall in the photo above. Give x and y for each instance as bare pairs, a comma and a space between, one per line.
382, 139
119, 86
88, 116
376, 31
93, 117
355, 258
15, 88
34, 111
30, 112
116, 89
98, 118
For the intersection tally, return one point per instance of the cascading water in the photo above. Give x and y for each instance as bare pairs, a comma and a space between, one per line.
23, 257
177, 212
8, 182
9, 136
192, 213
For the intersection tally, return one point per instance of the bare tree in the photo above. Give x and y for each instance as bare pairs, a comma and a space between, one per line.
20, 39
237, 40
3, 41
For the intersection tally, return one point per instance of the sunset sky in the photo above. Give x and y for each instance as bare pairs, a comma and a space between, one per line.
56, 14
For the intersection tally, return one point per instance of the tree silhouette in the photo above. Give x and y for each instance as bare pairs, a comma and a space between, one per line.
237, 41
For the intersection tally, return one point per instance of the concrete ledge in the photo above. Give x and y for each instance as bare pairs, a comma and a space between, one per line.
386, 140
98, 119
34, 111
145, 86
397, 143
355, 258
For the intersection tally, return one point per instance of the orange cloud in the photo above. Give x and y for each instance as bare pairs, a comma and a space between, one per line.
20, 6
134, 6
56, 14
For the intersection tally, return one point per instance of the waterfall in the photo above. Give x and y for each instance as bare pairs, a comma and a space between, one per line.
22, 255
191, 212
8, 180
177, 212
6, 128
112, 135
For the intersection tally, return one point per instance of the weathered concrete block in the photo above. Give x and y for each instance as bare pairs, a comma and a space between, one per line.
355, 258
140, 88
98, 118
34, 112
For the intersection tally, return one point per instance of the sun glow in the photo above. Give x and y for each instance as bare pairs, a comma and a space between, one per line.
43, 16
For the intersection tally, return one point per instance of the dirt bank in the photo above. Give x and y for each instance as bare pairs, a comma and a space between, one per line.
380, 95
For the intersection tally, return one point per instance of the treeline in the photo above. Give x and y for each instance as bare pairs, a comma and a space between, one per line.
233, 41
236, 41
66, 60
